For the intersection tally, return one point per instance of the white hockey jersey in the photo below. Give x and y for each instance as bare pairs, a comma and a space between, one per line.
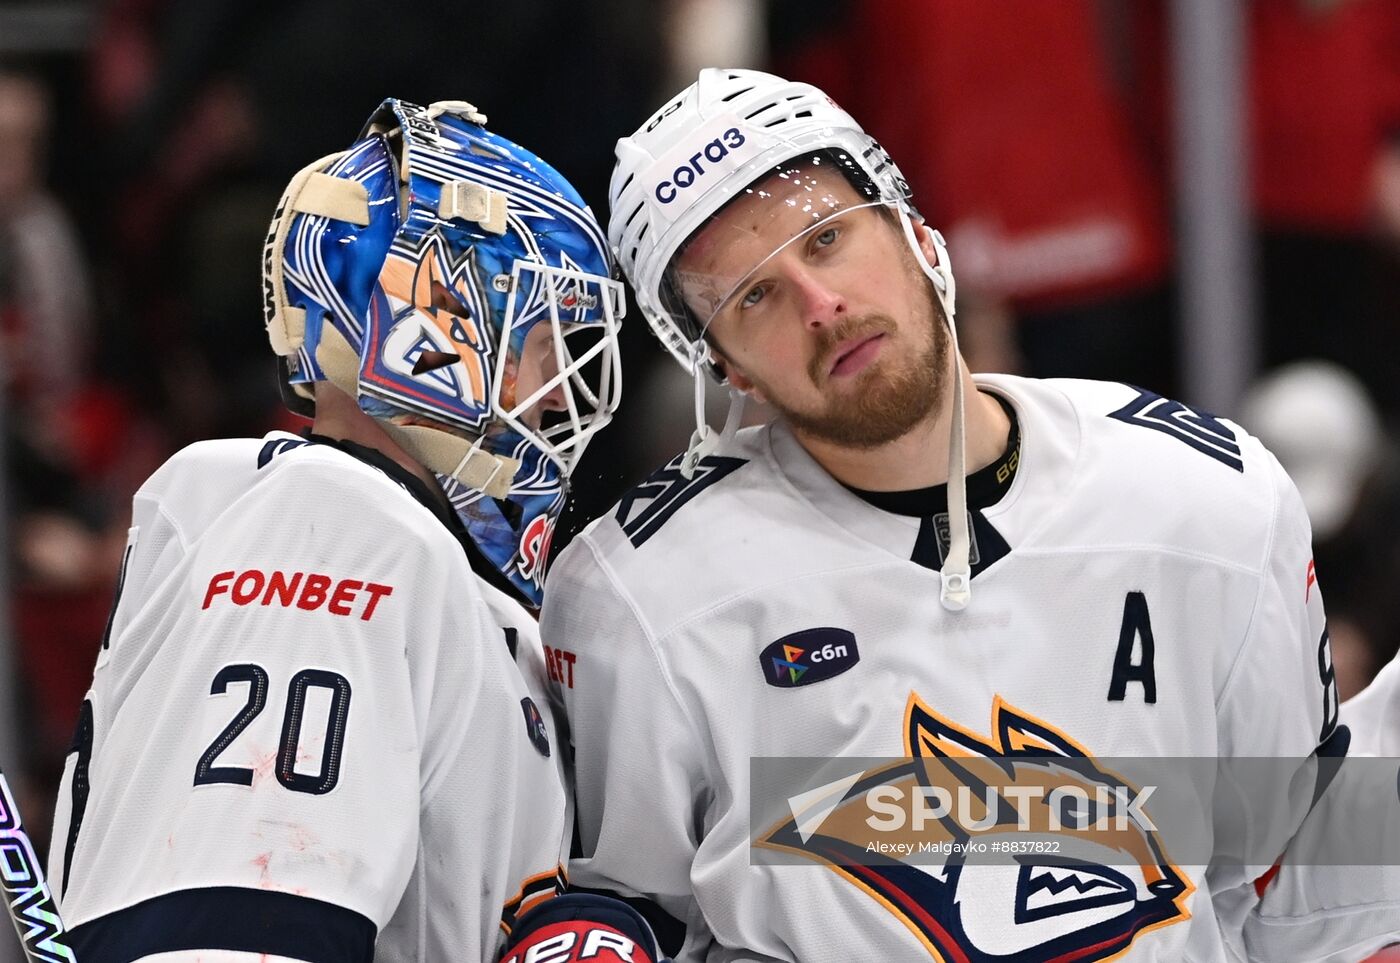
312, 734
1143, 588
1374, 714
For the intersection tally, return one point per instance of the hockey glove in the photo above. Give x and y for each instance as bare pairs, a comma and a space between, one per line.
582, 926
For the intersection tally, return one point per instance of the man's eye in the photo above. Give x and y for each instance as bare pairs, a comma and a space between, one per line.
754, 296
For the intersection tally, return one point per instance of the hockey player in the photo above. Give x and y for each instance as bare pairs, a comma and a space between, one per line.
316, 729
913, 563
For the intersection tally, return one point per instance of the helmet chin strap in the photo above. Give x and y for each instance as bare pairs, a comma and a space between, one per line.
956, 573
439, 451
704, 441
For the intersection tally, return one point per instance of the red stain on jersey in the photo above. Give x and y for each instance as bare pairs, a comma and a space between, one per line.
262, 768
305, 590
561, 666
1311, 581
261, 862
303, 839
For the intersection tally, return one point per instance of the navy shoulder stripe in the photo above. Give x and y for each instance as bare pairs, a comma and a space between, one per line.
1193, 427
644, 509
228, 918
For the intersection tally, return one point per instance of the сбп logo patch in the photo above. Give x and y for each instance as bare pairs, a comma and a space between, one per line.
812, 655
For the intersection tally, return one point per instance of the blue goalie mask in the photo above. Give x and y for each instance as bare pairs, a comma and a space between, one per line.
461, 290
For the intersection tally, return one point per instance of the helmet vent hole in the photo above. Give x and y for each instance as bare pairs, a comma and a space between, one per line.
433, 360
759, 111
643, 232
633, 216
803, 113
627, 183
737, 93
443, 299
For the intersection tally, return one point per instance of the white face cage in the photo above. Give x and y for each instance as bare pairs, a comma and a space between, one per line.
586, 410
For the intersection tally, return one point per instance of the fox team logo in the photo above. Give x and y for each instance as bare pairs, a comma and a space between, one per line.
1082, 877
430, 305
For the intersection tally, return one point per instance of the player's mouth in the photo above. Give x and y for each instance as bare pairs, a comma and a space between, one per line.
856, 354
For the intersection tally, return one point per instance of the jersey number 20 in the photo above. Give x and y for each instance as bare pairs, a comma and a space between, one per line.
205, 772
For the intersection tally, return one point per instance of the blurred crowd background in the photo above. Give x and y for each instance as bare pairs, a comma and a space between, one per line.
144, 143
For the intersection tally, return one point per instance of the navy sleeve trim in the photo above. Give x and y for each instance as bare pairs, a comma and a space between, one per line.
228, 918
1330, 756
82, 745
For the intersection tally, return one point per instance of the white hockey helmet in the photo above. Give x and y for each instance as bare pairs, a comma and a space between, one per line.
722, 134
723, 137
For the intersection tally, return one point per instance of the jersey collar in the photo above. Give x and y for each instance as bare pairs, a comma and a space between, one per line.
985, 487
1050, 436
430, 497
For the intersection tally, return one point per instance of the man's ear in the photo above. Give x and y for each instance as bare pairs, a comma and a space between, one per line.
736, 377
925, 235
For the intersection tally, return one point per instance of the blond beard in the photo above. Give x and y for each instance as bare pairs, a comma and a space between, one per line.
884, 403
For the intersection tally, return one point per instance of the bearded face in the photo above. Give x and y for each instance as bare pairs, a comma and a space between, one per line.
816, 305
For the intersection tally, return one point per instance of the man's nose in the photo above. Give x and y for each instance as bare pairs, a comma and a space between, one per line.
821, 305
553, 399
